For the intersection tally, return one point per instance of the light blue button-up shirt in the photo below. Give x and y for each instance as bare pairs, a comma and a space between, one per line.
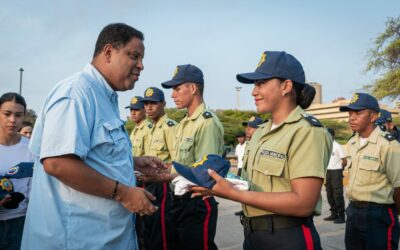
80, 116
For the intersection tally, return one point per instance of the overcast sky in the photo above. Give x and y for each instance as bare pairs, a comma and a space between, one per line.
52, 40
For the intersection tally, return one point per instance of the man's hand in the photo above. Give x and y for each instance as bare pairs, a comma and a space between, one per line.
136, 200
149, 165
6, 199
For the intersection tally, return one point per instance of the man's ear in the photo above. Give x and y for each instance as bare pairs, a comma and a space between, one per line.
107, 52
193, 88
374, 116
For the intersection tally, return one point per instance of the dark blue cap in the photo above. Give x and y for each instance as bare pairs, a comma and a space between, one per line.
153, 94
198, 173
275, 64
384, 116
7, 188
136, 103
361, 101
22, 170
184, 73
253, 122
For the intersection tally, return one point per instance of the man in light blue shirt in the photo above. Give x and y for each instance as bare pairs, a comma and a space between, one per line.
83, 192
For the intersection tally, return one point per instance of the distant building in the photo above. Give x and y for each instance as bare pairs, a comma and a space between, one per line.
331, 110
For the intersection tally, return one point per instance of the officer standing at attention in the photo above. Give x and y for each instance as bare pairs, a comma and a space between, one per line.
199, 133
138, 116
374, 179
160, 137
251, 126
286, 161
385, 122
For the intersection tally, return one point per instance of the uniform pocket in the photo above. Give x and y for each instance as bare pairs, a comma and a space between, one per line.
115, 140
186, 149
270, 166
368, 171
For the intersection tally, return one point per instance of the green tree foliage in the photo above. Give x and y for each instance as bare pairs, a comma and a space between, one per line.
341, 128
384, 58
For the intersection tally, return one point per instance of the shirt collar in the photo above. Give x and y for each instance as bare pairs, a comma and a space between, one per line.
294, 116
93, 72
161, 120
198, 111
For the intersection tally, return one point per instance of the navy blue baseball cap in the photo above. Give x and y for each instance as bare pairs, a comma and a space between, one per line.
136, 103
361, 101
19, 171
253, 122
198, 173
184, 73
7, 188
153, 94
384, 116
275, 64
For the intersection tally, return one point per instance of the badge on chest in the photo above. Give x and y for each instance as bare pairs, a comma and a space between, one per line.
273, 154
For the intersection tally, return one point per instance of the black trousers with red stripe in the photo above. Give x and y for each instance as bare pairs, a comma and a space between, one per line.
372, 227
157, 228
294, 238
195, 223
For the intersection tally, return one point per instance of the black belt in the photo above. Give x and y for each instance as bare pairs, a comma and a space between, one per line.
271, 222
364, 204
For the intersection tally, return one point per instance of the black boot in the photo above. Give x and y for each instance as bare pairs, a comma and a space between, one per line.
332, 217
340, 219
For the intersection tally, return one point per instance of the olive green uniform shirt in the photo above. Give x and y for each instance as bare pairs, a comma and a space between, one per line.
138, 138
299, 147
198, 135
160, 138
374, 168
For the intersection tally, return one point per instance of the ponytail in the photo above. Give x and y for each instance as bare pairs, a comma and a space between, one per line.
304, 95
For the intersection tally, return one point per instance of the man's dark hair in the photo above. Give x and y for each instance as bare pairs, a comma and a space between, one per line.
116, 34
331, 131
200, 87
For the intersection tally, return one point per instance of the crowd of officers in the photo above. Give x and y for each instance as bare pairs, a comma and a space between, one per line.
184, 222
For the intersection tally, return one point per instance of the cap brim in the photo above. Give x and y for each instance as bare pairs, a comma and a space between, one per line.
185, 172
245, 124
16, 198
351, 107
171, 83
252, 77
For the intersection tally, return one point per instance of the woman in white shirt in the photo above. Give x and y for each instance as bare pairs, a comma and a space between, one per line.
13, 151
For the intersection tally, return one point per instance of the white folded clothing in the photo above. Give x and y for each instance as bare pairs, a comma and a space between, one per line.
239, 184
181, 185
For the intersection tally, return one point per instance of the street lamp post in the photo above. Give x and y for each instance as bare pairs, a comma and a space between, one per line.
238, 96
20, 80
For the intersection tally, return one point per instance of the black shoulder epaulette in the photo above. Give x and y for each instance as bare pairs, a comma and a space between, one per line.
312, 120
170, 123
207, 114
389, 137
150, 125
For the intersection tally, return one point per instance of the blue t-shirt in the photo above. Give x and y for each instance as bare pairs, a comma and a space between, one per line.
80, 116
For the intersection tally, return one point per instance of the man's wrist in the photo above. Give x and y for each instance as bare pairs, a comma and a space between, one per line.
120, 193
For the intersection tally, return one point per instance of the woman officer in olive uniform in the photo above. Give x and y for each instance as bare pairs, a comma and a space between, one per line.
285, 161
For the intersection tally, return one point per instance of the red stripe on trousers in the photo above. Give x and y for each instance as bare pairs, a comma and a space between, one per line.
308, 237
390, 229
164, 233
205, 226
